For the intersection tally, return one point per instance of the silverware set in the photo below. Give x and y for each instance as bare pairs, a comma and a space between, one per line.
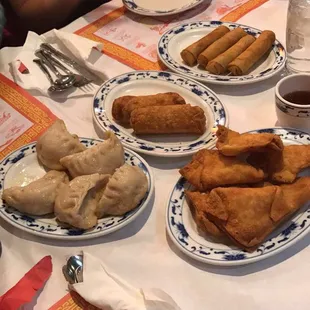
60, 77
73, 270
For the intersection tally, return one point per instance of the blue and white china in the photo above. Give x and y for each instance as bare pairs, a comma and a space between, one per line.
21, 167
182, 228
289, 113
160, 7
153, 82
176, 39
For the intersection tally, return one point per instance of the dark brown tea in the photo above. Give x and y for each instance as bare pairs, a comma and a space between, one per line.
298, 97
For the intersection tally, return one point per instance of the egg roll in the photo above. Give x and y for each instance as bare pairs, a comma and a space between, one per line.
209, 169
252, 54
118, 105
219, 64
168, 119
190, 53
249, 215
123, 106
220, 46
232, 143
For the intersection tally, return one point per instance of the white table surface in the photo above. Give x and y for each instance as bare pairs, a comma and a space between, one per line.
142, 252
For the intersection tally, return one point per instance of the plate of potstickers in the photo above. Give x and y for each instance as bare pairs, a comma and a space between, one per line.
160, 7
70, 188
222, 52
159, 113
245, 201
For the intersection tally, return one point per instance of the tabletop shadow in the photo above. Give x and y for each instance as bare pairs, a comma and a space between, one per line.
237, 271
247, 89
126, 232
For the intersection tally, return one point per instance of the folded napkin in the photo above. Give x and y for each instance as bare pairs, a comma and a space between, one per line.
28, 286
105, 290
82, 50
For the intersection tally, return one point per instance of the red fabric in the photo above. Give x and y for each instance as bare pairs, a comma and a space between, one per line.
25, 290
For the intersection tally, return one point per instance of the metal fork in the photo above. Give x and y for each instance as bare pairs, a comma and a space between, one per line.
80, 80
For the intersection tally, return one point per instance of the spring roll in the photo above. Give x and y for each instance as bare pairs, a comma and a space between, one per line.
168, 119
118, 105
123, 106
252, 54
220, 46
191, 53
219, 64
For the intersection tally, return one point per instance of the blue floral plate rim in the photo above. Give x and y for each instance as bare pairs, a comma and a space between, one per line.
291, 232
217, 112
133, 7
204, 76
53, 230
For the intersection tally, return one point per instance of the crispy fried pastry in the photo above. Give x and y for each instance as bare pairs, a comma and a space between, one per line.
249, 215
294, 158
232, 143
168, 119
209, 169
283, 167
197, 202
123, 106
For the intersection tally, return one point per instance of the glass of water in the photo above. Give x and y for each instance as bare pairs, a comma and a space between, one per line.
298, 36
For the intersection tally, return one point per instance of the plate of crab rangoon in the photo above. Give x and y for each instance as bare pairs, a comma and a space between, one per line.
71, 188
244, 201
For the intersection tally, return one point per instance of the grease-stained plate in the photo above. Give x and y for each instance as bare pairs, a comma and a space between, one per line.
183, 232
176, 39
153, 82
21, 167
160, 7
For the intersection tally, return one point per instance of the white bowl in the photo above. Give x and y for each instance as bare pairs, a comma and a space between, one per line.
290, 114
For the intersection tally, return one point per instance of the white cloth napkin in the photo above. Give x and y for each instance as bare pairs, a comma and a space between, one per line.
82, 50
106, 290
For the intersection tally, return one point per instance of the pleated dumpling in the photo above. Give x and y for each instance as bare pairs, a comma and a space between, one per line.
124, 191
76, 202
38, 197
102, 158
56, 143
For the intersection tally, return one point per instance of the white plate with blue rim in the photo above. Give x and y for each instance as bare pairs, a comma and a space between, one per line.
153, 82
22, 167
160, 7
183, 232
176, 39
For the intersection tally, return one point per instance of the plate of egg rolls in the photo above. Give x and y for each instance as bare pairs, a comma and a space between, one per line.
222, 52
159, 113
244, 201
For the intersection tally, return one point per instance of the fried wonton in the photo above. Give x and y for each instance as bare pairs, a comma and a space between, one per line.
197, 202
249, 215
283, 167
209, 169
232, 143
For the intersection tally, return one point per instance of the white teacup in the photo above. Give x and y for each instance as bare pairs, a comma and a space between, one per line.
291, 114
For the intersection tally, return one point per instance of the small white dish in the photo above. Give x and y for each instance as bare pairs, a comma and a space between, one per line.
291, 114
22, 167
176, 39
153, 82
160, 7
183, 232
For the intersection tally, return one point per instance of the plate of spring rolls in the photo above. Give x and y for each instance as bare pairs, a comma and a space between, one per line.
160, 7
159, 113
222, 52
70, 188
245, 201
